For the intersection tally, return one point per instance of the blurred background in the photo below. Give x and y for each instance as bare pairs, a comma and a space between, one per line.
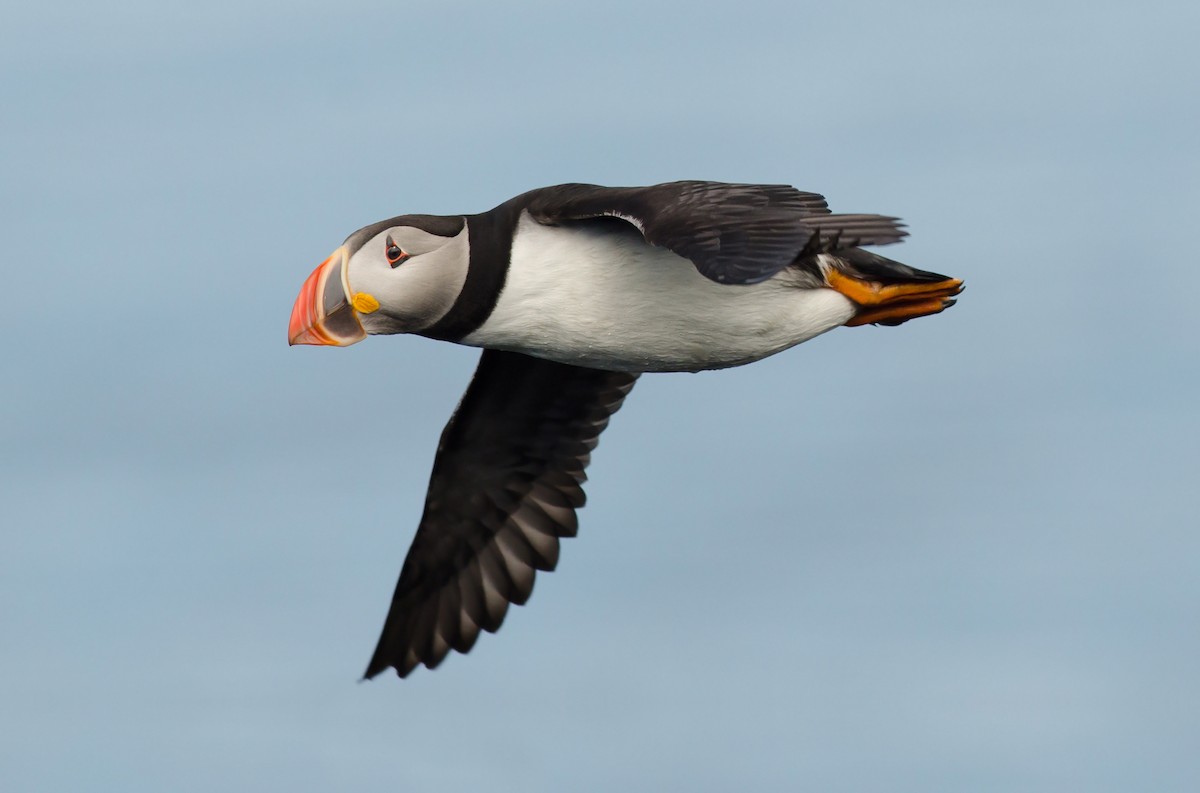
955, 555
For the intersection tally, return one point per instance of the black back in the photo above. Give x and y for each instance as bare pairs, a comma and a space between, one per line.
733, 233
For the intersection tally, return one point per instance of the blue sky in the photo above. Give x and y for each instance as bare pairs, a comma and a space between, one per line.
955, 555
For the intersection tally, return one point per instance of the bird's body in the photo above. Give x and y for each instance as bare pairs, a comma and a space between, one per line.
597, 294
573, 292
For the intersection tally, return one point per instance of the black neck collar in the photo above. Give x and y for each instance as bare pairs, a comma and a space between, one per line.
489, 239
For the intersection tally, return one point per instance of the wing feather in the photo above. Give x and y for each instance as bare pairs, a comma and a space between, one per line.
732, 233
506, 483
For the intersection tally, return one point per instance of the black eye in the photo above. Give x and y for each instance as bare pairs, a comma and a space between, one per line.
395, 255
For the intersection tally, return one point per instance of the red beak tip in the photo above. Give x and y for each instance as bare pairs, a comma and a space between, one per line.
305, 337
322, 315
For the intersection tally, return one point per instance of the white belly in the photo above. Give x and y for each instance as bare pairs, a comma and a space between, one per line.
605, 298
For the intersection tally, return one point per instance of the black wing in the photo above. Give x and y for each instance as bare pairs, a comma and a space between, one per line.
733, 233
505, 486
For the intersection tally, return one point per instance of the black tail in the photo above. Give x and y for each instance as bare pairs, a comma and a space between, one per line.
835, 232
873, 267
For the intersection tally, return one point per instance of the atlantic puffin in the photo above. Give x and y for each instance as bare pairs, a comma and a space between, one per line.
572, 292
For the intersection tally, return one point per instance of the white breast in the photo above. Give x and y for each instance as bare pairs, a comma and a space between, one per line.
602, 297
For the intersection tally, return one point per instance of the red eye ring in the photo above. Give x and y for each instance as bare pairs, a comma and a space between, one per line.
394, 253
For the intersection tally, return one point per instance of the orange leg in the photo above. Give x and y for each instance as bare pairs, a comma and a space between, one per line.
895, 303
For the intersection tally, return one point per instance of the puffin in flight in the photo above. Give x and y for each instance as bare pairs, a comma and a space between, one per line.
573, 291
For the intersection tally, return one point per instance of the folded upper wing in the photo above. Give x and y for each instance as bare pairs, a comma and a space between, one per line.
733, 233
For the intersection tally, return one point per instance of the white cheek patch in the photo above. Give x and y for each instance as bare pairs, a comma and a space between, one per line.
380, 324
423, 292
413, 295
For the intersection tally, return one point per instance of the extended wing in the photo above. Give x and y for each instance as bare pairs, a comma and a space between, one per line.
506, 482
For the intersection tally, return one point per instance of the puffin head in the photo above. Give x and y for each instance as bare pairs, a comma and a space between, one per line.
397, 276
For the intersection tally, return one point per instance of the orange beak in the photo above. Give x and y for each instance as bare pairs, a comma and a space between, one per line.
322, 313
